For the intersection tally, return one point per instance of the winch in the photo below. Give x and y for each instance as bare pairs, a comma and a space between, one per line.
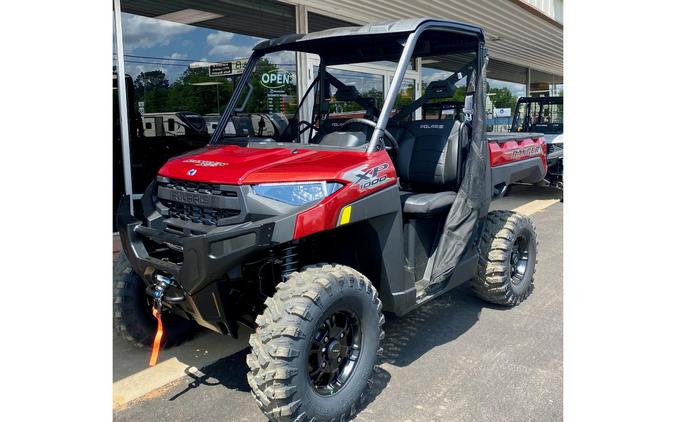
163, 283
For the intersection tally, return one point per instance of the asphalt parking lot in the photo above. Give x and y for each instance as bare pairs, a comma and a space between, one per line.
456, 358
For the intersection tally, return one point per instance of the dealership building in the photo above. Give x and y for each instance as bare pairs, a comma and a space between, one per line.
163, 41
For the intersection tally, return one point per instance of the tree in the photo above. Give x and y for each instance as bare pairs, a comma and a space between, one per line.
185, 96
404, 95
152, 88
502, 98
460, 94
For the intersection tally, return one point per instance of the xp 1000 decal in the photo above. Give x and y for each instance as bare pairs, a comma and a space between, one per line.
370, 177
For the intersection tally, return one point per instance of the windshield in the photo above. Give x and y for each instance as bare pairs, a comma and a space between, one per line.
268, 107
342, 96
267, 100
543, 115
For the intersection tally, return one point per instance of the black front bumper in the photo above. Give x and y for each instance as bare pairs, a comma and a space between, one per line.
202, 272
206, 257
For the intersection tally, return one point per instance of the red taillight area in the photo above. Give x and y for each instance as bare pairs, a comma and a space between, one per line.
517, 150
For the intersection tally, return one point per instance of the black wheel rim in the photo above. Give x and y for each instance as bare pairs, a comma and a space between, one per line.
335, 350
520, 256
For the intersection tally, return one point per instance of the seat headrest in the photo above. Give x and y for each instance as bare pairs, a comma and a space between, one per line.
440, 89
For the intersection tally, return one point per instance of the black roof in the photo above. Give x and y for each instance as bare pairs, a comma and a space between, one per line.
355, 36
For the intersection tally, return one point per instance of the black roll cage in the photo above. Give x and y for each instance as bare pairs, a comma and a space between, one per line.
408, 37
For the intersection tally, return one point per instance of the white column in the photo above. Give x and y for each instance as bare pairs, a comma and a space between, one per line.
122, 99
527, 82
302, 68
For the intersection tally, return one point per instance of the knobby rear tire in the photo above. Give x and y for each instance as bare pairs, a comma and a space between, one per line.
494, 281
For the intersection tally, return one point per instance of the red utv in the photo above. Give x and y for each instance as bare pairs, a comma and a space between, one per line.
308, 234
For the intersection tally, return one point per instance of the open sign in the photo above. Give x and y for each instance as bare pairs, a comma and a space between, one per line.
275, 78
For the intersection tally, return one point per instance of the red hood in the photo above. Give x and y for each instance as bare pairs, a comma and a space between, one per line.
235, 165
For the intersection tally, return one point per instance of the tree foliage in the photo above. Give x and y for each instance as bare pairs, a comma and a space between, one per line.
154, 89
205, 99
502, 98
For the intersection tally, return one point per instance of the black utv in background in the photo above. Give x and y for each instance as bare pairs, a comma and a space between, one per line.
544, 115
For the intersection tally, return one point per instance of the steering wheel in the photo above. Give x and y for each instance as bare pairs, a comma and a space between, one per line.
388, 136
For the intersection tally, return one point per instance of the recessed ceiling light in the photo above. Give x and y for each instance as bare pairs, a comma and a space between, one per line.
188, 16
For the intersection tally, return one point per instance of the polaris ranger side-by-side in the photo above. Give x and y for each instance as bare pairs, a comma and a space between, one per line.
544, 115
309, 234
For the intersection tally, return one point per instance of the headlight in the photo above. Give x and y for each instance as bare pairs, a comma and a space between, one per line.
298, 193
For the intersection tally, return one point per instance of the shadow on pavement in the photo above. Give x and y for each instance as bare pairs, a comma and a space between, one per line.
229, 372
437, 322
407, 338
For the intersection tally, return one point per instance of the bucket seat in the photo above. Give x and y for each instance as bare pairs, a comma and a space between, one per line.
429, 165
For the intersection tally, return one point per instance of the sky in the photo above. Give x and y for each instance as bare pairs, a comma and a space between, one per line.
176, 45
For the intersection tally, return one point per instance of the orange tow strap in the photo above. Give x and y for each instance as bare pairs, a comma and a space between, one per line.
158, 338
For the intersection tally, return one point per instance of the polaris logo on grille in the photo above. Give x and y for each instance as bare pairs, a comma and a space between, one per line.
191, 172
190, 198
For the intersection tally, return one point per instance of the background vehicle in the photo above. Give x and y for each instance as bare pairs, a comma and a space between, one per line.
306, 230
211, 120
443, 110
544, 115
179, 123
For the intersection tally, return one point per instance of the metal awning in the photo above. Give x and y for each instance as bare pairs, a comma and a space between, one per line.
516, 33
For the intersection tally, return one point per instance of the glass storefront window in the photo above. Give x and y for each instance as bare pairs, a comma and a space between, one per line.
177, 89
274, 85
502, 95
270, 99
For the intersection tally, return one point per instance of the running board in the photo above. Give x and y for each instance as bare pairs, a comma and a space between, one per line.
464, 271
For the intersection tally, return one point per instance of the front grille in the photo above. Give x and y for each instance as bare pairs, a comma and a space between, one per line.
196, 214
207, 188
185, 201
